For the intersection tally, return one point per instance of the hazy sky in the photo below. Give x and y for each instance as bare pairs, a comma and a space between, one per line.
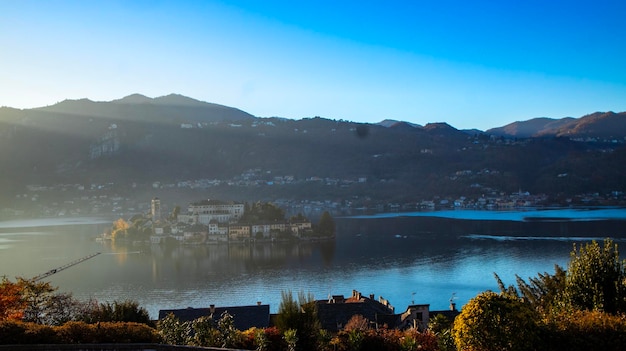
473, 64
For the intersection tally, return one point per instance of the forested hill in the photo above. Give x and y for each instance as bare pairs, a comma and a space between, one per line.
171, 139
604, 125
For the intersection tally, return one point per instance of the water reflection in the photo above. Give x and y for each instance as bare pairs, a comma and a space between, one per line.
402, 259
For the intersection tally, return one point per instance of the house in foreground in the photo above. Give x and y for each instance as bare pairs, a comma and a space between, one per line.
333, 313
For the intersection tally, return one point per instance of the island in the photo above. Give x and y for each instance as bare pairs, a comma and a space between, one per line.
218, 222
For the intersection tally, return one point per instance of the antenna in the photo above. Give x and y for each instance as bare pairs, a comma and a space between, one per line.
452, 303
453, 297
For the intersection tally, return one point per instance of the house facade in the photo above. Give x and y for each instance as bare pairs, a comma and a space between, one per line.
206, 211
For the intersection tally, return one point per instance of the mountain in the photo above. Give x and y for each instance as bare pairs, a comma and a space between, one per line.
130, 144
596, 125
170, 109
392, 123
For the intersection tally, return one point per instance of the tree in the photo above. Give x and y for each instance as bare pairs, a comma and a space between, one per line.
441, 327
172, 331
175, 213
495, 322
298, 218
596, 278
205, 332
124, 311
120, 228
326, 225
37, 296
357, 322
544, 293
229, 336
262, 211
12, 303
288, 312
300, 316
61, 308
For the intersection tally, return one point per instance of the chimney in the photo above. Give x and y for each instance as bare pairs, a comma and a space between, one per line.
212, 308
258, 303
372, 297
452, 306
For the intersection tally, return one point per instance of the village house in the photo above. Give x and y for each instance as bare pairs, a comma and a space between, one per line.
298, 228
333, 313
261, 230
217, 233
239, 232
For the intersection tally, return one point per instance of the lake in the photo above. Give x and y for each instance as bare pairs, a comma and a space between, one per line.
423, 257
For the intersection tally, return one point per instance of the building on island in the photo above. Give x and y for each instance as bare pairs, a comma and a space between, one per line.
155, 209
205, 211
215, 221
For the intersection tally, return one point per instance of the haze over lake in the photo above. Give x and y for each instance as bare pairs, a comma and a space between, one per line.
406, 258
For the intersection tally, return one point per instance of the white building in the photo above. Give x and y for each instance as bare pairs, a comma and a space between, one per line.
205, 211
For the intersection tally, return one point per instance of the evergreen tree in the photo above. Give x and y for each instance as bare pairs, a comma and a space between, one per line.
326, 225
299, 318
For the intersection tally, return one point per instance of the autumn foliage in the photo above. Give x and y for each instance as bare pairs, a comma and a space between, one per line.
12, 302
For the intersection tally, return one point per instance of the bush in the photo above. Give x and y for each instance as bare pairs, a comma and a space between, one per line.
12, 332
584, 330
107, 332
384, 340
120, 311
76, 333
495, 322
595, 278
15, 332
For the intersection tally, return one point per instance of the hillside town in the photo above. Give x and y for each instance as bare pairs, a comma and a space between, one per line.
110, 199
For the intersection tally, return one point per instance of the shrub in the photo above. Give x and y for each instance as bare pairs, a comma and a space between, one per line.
495, 322
76, 333
584, 330
173, 331
106, 332
357, 322
595, 278
12, 332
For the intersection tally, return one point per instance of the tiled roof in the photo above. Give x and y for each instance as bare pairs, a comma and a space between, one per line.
334, 314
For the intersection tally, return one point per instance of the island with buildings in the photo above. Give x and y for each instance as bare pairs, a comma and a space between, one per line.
220, 222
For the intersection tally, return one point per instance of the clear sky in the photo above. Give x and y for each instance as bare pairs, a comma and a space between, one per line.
473, 64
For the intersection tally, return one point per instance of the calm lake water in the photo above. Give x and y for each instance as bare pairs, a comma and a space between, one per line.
406, 258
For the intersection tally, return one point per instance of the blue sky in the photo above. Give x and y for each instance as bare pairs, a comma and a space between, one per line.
473, 64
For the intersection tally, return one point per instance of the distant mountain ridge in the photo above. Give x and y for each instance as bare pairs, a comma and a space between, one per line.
164, 109
595, 125
175, 139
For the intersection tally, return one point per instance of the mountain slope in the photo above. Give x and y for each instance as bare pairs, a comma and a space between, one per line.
171, 139
596, 125
170, 109
531, 128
